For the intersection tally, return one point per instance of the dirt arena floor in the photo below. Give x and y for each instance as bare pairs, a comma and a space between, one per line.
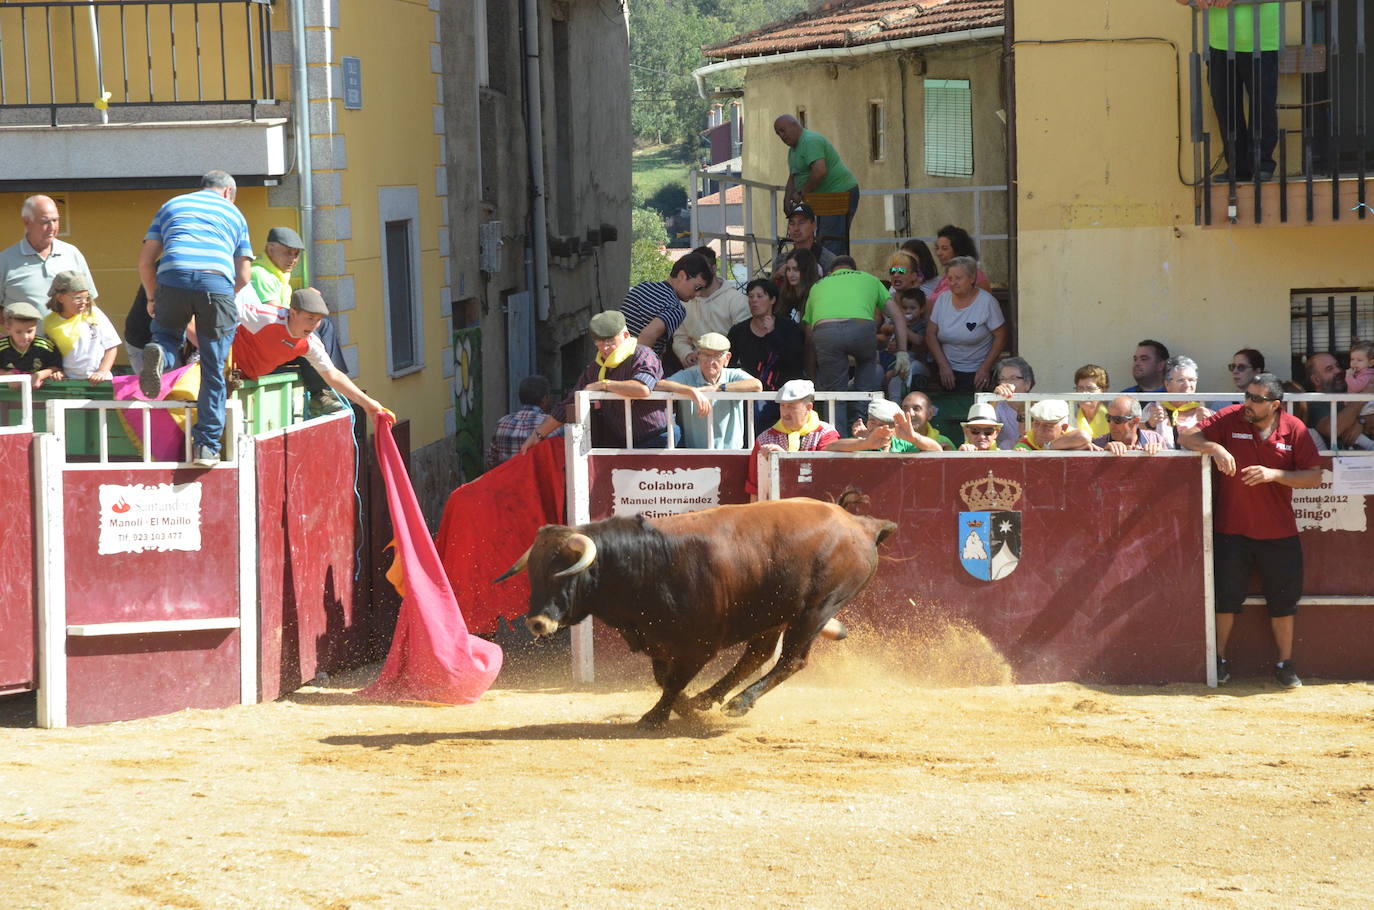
888, 774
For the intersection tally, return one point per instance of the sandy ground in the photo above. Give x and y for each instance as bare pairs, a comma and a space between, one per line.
887, 774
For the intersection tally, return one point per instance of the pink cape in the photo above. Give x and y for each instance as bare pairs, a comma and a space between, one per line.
168, 439
432, 658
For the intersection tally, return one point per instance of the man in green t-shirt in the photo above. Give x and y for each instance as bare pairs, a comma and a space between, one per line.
1232, 78
813, 168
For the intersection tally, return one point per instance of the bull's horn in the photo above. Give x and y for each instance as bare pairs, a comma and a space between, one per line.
587, 547
518, 567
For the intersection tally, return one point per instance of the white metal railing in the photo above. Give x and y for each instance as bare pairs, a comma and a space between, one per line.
759, 251
1220, 397
583, 400
57, 412
25, 424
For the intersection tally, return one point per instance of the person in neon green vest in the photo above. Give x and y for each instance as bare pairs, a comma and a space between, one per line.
1231, 24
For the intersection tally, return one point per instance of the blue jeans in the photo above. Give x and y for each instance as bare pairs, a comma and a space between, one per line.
209, 298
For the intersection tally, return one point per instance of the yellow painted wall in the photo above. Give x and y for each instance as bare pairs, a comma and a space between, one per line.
1108, 251
391, 142
108, 228
836, 98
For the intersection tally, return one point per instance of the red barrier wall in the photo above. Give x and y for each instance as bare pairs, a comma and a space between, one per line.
1109, 586
120, 677
18, 644
307, 539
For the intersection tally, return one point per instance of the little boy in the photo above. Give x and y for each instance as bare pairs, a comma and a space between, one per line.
21, 348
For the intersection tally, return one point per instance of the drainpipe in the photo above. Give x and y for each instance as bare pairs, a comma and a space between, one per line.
534, 136
300, 101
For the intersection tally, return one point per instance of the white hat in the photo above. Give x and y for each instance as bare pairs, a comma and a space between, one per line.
713, 341
796, 390
1051, 410
981, 415
884, 410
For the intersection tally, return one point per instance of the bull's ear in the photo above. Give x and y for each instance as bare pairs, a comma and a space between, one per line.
518, 567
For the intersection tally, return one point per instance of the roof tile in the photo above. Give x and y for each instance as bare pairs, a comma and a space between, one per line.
853, 23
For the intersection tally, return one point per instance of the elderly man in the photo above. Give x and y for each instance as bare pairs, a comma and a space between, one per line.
1049, 429
270, 277
800, 429
654, 309
270, 335
623, 367
920, 410
801, 232
1324, 374
1147, 367
28, 268
1169, 418
1124, 433
712, 373
816, 175
196, 256
1260, 454
716, 308
980, 429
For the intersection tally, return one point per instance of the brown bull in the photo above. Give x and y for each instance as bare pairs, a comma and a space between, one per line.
683, 587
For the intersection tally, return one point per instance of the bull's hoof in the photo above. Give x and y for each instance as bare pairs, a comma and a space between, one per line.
737, 707
685, 707
652, 721
703, 701
834, 630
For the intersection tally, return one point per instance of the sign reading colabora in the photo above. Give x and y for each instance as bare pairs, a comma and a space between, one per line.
139, 517
659, 492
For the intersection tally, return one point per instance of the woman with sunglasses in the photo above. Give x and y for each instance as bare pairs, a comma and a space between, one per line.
1245, 365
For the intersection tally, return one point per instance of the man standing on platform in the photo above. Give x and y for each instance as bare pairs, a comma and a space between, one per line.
1261, 454
195, 258
817, 176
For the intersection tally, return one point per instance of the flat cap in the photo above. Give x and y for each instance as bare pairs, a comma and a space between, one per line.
286, 237
884, 410
22, 309
1051, 410
309, 300
607, 324
796, 390
70, 281
713, 341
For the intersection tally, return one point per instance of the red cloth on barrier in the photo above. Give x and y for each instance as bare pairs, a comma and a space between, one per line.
432, 658
489, 522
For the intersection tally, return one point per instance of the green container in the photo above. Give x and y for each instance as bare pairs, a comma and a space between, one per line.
271, 402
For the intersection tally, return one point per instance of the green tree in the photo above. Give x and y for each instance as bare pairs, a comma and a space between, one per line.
649, 236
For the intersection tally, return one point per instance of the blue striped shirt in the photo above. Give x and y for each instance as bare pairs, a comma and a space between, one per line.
200, 232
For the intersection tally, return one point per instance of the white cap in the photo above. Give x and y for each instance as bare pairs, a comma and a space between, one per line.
884, 410
713, 341
796, 390
982, 415
1051, 410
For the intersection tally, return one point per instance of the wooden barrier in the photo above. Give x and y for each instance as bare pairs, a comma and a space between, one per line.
18, 654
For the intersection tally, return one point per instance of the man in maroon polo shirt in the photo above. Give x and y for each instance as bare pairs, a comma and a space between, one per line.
1261, 453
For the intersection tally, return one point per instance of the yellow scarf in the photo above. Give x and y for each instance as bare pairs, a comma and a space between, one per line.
794, 437
1175, 407
621, 354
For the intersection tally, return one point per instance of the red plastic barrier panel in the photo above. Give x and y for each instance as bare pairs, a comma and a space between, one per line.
1074, 568
18, 642
307, 542
665, 483
150, 545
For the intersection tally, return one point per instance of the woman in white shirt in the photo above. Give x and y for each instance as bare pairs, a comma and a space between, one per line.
966, 332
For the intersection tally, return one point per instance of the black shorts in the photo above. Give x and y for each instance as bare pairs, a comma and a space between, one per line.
1279, 562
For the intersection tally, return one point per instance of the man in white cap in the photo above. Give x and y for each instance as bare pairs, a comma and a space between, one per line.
800, 429
1049, 429
981, 429
904, 436
711, 372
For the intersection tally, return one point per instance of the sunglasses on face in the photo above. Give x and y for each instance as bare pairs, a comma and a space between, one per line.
1258, 399
981, 431
1117, 418
897, 270
1238, 367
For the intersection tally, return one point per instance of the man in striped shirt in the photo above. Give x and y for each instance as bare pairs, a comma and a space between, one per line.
202, 242
654, 309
